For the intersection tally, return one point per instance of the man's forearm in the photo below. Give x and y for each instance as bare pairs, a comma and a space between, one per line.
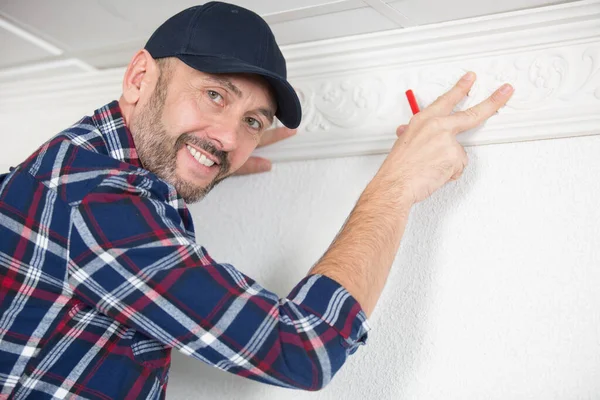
425, 157
361, 255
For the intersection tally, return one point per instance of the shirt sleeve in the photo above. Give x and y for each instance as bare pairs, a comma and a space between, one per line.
130, 258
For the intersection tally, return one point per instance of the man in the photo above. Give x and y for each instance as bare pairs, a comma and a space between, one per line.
100, 272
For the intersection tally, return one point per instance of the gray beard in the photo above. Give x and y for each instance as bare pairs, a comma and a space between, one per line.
158, 152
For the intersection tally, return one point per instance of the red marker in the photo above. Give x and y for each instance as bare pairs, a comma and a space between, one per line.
412, 101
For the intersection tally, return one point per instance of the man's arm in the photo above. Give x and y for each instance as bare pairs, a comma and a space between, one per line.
425, 157
131, 258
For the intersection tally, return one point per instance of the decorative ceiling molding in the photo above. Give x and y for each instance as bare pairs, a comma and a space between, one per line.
352, 89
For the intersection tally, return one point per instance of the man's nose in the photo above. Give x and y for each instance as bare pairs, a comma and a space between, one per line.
224, 133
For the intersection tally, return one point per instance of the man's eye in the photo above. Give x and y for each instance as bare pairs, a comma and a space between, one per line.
215, 96
254, 123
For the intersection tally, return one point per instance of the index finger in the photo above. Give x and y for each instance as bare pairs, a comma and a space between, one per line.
471, 117
444, 104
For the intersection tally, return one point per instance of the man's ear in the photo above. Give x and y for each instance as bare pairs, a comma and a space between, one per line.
140, 77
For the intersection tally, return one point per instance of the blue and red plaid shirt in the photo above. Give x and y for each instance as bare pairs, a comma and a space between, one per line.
101, 276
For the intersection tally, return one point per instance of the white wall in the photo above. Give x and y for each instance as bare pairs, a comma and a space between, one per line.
494, 293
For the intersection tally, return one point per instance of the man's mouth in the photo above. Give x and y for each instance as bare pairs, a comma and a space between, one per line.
200, 157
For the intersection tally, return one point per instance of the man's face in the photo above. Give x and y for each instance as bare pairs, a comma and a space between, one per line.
195, 129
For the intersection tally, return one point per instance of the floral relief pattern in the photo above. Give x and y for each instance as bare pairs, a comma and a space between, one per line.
344, 103
543, 79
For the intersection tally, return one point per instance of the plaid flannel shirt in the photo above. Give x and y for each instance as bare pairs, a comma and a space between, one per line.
100, 277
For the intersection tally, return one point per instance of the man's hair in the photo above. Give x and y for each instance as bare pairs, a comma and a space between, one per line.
166, 71
164, 64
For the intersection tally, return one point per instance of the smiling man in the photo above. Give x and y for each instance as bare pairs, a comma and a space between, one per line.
195, 130
100, 273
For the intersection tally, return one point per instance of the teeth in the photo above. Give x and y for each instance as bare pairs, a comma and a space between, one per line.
201, 158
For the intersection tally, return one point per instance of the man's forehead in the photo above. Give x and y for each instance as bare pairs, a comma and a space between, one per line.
239, 80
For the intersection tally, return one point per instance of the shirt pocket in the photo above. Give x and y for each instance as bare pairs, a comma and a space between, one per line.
150, 353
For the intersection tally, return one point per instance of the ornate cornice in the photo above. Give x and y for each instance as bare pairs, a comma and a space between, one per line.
352, 89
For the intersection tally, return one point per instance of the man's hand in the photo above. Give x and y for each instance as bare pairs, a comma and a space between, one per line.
255, 165
425, 156
427, 153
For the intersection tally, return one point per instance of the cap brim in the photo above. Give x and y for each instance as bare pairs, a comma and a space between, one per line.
289, 111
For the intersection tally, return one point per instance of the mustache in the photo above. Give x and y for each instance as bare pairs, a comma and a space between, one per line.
206, 146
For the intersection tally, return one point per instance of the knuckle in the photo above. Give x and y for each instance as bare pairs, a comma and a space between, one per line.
472, 113
435, 124
417, 118
443, 98
446, 166
496, 98
457, 152
454, 154
456, 176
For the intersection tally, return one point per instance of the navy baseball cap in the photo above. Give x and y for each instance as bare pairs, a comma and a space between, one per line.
221, 38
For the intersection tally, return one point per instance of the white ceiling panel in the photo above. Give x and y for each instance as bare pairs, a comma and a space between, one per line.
263, 7
77, 25
423, 12
306, 12
16, 50
351, 22
106, 33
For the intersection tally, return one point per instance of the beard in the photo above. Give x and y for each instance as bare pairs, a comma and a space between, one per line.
158, 151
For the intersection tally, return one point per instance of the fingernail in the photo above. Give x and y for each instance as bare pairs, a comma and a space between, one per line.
468, 77
506, 89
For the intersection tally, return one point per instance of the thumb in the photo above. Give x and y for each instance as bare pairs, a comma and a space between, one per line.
400, 130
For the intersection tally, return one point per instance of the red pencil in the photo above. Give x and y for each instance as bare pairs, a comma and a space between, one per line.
412, 101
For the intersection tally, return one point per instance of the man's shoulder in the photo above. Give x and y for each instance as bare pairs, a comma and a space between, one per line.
76, 161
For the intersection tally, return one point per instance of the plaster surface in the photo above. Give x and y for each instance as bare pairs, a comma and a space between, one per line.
494, 292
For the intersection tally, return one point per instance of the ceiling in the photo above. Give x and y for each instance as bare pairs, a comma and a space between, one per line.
40, 38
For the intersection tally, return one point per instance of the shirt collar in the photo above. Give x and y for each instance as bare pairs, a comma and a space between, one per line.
118, 144
117, 137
